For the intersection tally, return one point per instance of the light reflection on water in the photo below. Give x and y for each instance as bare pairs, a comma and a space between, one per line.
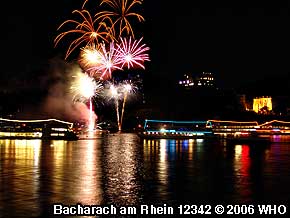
121, 165
121, 169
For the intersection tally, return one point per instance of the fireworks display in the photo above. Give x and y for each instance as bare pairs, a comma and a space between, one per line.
100, 61
84, 87
126, 88
102, 51
119, 93
131, 53
109, 61
90, 56
115, 95
118, 16
85, 31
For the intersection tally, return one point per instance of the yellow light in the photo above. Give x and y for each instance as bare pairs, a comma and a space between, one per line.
230, 121
35, 121
92, 56
94, 35
259, 103
273, 121
162, 130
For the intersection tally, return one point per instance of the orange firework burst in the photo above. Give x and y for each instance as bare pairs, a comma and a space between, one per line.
85, 30
118, 17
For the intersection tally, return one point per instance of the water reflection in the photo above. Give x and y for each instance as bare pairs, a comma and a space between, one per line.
19, 175
90, 187
121, 169
174, 164
241, 168
35, 174
71, 175
162, 165
249, 163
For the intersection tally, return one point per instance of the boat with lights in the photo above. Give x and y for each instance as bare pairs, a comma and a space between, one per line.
51, 129
170, 129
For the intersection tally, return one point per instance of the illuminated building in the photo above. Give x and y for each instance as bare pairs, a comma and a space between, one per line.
262, 105
186, 81
205, 79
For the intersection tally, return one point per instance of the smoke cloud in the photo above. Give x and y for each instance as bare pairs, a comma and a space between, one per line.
59, 102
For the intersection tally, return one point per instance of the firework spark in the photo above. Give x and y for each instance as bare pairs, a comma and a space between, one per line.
110, 61
119, 15
120, 93
85, 30
132, 53
85, 87
90, 56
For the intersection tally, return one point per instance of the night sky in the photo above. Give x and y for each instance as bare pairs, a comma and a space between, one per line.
239, 42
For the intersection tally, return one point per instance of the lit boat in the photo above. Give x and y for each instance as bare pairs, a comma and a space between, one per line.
154, 129
36, 129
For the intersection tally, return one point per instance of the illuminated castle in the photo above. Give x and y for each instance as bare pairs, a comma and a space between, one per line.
262, 104
206, 79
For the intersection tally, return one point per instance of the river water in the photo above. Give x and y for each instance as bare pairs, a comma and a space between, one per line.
123, 170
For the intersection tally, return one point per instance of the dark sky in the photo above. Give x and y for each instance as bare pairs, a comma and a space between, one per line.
239, 42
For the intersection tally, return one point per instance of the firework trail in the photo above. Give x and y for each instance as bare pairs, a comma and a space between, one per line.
127, 88
85, 30
119, 15
114, 94
85, 2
